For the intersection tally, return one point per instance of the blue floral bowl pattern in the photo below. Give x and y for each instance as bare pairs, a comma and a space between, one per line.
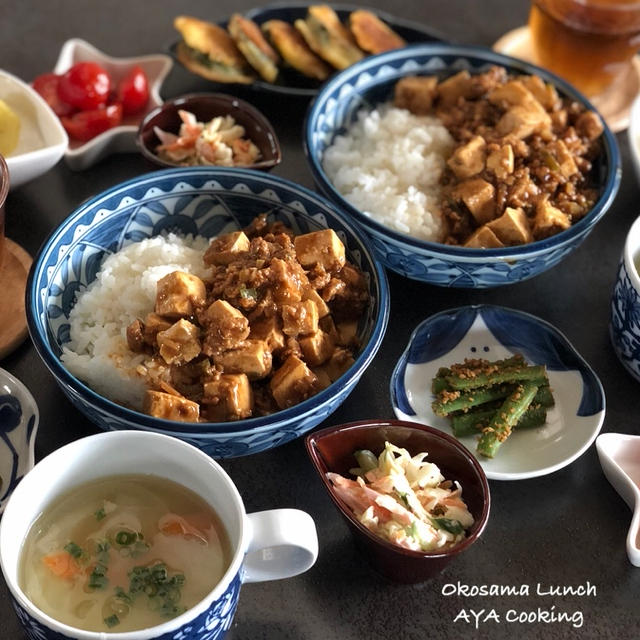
197, 200
492, 332
212, 624
18, 427
370, 82
624, 325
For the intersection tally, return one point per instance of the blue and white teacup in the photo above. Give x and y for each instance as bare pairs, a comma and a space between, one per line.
18, 426
266, 545
624, 324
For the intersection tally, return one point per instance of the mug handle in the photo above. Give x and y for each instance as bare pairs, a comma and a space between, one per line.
283, 544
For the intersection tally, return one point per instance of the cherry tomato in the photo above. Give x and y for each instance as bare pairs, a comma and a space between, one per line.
133, 91
85, 86
85, 125
47, 86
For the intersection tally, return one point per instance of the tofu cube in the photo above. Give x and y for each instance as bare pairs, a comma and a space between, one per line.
287, 286
292, 383
320, 247
501, 161
300, 319
226, 327
478, 195
589, 125
323, 377
170, 407
544, 93
252, 358
522, 121
512, 227
549, 220
153, 324
457, 86
226, 248
468, 159
268, 329
311, 294
483, 238
229, 397
135, 336
416, 93
316, 348
179, 294
338, 363
563, 157
510, 94
348, 333
179, 343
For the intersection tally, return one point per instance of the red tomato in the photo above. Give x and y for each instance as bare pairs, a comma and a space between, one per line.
85, 86
133, 91
85, 125
47, 86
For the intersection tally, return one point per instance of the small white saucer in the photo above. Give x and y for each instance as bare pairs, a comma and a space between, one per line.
493, 332
614, 104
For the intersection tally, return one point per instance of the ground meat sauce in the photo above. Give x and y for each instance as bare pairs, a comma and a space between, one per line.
273, 323
522, 167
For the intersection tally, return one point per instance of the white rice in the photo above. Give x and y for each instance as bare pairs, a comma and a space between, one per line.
124, 289
388, 166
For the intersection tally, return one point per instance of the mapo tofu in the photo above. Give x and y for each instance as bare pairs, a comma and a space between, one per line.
522, 166
273, 323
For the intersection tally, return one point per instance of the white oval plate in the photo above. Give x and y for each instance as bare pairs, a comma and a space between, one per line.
492, 332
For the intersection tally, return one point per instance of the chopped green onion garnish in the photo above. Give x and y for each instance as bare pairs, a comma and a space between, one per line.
100, 514
125, 537
248, 293
112, 620
73, 549
98, 578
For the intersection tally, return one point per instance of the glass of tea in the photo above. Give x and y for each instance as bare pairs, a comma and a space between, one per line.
590, 43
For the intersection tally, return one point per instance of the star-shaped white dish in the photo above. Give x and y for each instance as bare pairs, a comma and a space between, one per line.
120, 139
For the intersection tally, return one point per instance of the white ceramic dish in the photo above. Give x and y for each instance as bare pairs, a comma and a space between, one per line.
620, 460
491, 332
633, 132
121, 139
18, 426
42, 140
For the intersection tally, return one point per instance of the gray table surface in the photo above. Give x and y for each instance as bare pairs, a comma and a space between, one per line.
565, 529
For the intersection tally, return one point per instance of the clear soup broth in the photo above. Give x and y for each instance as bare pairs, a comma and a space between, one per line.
123, 553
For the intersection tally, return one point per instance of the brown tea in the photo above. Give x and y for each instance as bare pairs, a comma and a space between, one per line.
590, 43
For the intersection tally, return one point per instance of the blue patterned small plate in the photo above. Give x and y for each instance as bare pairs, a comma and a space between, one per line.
491, 332
18, 426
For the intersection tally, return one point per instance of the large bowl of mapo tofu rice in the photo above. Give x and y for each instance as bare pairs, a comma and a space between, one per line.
229, 308
467, 168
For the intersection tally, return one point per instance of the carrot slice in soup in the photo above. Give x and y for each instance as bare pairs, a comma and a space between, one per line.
61, 564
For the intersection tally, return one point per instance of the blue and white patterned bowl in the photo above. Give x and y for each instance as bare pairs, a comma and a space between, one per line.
18, 426
370, 82
624, 321
205, 201
492, 332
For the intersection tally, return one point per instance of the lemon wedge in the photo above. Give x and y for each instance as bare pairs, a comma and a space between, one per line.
9, 129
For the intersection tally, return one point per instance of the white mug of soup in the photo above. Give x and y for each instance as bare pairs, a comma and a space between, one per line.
139, 535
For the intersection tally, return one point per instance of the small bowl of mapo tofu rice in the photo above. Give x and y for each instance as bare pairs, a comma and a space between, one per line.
467, 168
222, 305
